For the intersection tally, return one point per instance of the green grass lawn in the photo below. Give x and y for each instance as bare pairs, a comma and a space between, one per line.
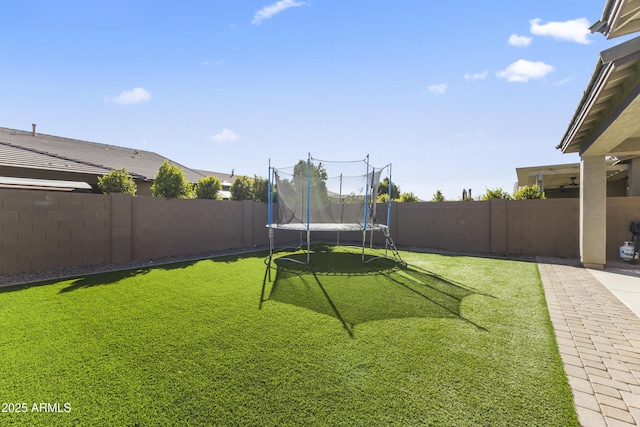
447, 341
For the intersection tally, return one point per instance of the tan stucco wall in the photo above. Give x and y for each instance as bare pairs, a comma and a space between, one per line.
620, 212
593, 206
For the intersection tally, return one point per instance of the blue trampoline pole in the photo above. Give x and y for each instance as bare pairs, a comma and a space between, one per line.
366, 209
389, 201
269, 204
308, 206
270, 212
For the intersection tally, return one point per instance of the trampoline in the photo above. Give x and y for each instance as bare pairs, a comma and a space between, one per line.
327, 196
320, 196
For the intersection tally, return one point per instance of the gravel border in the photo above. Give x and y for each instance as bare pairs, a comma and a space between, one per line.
24, 278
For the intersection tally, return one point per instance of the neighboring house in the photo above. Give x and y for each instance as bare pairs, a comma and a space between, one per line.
226, 180
563, 181
37, 161
606, 124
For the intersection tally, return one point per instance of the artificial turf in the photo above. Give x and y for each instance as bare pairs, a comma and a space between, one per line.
445, 341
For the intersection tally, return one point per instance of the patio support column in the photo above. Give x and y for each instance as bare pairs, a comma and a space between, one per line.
593, 211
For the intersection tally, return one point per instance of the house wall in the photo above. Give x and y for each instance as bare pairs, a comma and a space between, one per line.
43, 230
620, 212
144, 188
617, 188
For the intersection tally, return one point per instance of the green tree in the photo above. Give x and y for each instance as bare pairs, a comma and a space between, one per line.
284, 186
316, 178
383, 188
529, 192
495, 194
171, 183
383, 198
117, 181
318, 172
438, 197
241, 188
408, 197
260, 189
208, 188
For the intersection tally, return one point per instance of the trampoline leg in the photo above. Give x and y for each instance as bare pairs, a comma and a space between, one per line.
264, 282
270, 251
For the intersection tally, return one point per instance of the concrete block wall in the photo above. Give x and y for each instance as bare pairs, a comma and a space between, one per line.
121, 219
543, 227
42, 230
454, 226
167, 227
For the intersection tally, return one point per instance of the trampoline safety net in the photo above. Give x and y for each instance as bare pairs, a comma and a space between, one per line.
325, 195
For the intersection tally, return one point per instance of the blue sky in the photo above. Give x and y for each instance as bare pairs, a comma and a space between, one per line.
454, 94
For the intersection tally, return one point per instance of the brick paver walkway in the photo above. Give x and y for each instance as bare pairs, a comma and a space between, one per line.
599, 341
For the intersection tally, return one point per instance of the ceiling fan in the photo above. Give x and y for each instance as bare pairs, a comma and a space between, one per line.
571, 184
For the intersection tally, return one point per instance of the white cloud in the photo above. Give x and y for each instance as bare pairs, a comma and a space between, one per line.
225, 136
575, 30
275, 8
564, 81
130, 97
477, 76
522, 71
519, 41
216, 63
438, 89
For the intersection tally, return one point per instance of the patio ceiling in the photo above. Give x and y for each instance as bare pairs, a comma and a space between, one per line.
619, 18
606, 120
566, 175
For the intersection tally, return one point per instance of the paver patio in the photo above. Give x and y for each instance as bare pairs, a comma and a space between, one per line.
599, 341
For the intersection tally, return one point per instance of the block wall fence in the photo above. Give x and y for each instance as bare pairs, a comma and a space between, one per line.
42, 230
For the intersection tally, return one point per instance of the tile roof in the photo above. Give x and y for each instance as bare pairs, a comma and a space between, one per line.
47, 152
13, 156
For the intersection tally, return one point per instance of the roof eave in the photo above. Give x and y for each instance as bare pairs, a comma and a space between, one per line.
605, 66
619, 18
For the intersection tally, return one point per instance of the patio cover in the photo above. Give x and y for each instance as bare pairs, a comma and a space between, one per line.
42, 184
